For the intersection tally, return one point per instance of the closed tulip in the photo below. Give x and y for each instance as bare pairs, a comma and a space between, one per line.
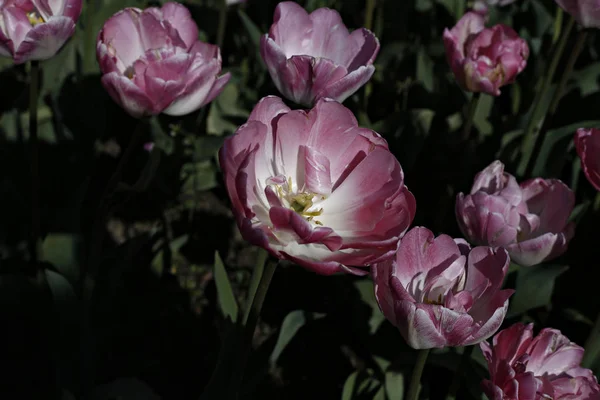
314, 188
484, 59
441, 293
547, 366
529, 220
313, 56
587, 142
152, 61
36, 29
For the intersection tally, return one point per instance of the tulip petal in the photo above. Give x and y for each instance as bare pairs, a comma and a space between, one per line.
534, 251
44, 40
343, 88
366, 47
121, 32
180, 18
317, 174
356, 204
199, 85
16, 22
587, 142
125, 93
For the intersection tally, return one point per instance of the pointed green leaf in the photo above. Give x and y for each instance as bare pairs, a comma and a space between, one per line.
225, 296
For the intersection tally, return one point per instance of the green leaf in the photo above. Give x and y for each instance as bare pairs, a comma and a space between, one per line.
175, 245
425, 69
367, 294
290, 326
225, 296
257, 273
394, 385
551, 157
253, 31
63, 251
534, 287
349, 386
65, 306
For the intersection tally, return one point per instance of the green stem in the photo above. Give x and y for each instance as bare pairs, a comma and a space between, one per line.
222, 24
415, 380
470, 116
596, 204
35, 179
539, 141
250, 320
592, 346
580, 41
369, 12
89, 46
89, 269
531, 130
464, 361
460, 9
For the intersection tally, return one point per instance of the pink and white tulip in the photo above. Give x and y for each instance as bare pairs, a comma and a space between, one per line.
547, 366
36, 29
586, 12
529, 220
484, 59
587, 142
439, 292
314, 188
313, 56
152, 61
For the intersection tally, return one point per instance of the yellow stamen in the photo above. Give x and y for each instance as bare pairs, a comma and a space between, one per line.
35, 18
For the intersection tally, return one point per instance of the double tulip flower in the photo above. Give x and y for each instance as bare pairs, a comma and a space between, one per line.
36, 29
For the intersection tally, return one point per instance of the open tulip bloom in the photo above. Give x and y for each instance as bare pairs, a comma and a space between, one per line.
484, 59
313, 56
547, 366
314, 188
529, 220
36, 29
587, 143
440, 293
153, 62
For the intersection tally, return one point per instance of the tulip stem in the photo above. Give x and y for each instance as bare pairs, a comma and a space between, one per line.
464, 361
470, 116
249, 322
460, 9
415, 380
592, 346
547, 120
222, 24
369, 12
89, 270
533, 125
34, 81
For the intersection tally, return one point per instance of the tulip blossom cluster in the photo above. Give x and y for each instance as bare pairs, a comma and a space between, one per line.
36, 29
529, 220
547, 366
314, 188
439, 292
313, 56
484, 59
587, 142
153, 62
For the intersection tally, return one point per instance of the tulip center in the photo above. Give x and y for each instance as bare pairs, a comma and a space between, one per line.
303, 202
35, 18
